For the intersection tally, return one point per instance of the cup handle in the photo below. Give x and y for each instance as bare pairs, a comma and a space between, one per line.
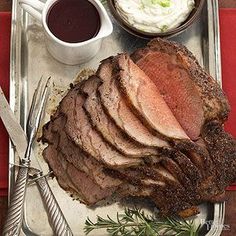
33, 7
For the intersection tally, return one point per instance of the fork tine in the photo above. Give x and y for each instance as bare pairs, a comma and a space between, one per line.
42, 102
37, 105
36, 92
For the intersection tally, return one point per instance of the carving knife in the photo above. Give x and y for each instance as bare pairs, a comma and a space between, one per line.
19, 140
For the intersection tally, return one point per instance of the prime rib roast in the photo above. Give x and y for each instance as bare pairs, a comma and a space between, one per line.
148, 125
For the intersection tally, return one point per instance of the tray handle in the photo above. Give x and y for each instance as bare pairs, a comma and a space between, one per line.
13, 223
56, 218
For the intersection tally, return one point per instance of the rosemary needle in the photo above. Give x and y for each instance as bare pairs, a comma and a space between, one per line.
136, 222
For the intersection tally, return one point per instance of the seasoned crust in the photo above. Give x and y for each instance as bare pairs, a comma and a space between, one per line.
216, 105
145, 99
107, 127
194, 172
115, 105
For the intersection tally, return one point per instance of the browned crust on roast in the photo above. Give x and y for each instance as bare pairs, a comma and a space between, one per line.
222, 148
183, 175
141, 134
107, 127
198, 155
121, 64
216, 105
193, 210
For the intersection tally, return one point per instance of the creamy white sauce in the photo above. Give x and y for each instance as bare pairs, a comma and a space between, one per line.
154, 16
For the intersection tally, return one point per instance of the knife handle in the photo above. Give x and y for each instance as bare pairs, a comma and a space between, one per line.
56, 218
13, 222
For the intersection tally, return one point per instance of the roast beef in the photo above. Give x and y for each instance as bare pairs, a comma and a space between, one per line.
159, 189
74, 180
115, 105
193, 95
107, 127
222, 148
80, 130
150, 130
145, 98
55, 135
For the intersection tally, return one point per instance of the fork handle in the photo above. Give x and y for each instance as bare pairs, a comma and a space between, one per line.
13, 222
56, 218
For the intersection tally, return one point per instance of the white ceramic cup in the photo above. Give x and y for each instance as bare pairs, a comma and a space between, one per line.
69, 53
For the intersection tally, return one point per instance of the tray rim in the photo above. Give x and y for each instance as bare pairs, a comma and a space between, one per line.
219, 208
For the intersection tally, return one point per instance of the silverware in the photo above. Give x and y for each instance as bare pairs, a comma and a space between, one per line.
15, 210
16, 133
56, 218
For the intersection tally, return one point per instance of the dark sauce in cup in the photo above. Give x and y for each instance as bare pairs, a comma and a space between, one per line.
73, 21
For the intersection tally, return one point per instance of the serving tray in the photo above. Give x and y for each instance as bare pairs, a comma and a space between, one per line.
30, 60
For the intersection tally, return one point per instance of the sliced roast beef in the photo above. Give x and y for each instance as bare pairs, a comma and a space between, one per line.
115, 105
89, 165
159, 191
74, 155
141, 182
107, 127
74, 180
50, 155
145, 98
80, 130
92, 192
192, 94
166, 111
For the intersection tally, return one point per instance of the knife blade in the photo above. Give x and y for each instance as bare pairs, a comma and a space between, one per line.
15, 131
19, 140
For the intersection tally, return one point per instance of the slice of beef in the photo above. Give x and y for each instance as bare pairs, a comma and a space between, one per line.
146, 99
74, 155
198, 155
90, 166
80, 130
116, 107
92, 192
72, 179
193, 95
159, 189
50, 156
107, 127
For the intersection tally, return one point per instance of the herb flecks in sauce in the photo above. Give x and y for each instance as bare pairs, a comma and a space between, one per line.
154, 16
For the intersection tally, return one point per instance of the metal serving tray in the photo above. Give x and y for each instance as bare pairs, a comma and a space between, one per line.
30, 60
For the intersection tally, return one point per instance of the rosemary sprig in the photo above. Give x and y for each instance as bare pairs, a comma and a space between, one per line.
136, 222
